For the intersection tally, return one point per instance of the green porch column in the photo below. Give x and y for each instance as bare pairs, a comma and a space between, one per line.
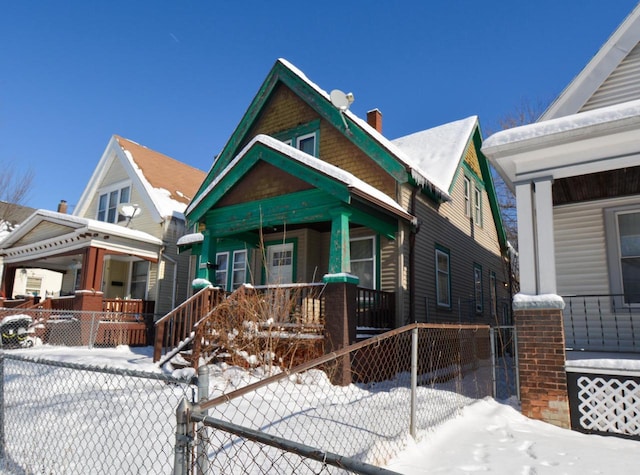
206, 265
339, 251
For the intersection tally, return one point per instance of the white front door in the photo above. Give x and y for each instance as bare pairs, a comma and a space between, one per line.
280, 264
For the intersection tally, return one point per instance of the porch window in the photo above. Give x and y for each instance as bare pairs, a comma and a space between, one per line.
139, 273
234, 277
363, 260
108, 204
477, 287
222, 269
443, 278
239, 276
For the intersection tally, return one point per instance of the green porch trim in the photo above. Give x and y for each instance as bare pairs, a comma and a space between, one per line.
491, 191
261, 152
207, 259
326, 110
295, 208
342, 278
339, 244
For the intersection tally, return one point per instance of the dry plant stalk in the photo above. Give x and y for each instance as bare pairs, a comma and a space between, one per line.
260, 328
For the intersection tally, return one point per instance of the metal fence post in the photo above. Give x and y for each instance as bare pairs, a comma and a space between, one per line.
492, 342
414, 380
183, 439
202, 460
91, 328
516, 362
2, 446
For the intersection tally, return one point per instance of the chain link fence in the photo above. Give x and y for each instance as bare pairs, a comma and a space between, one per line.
351, 411
69, 418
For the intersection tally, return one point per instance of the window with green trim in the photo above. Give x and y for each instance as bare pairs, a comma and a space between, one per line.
363, 260
477, 287
467, 196
231, 269
443, 277
304, 137
493, 290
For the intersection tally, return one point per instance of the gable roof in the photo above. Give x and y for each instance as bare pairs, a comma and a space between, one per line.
391, 158
611, 77
354, 185
166, 184
439, 149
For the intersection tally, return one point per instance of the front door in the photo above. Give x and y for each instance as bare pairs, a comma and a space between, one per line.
280, 263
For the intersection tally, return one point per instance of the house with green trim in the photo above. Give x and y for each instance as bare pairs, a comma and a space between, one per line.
305, 191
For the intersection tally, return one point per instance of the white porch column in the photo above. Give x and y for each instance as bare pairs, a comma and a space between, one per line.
546, 258
526, 238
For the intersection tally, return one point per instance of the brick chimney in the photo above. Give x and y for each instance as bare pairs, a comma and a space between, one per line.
62, 207
374, 119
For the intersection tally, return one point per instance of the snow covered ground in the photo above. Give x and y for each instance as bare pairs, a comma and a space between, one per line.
488, 436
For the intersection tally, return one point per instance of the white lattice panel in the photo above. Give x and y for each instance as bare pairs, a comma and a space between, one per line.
609, 405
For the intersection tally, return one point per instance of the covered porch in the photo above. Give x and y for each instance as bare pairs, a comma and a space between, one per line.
104, 267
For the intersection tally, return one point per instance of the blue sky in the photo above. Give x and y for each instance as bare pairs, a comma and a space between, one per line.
176, 76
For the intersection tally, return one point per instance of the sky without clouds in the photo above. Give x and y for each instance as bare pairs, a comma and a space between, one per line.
177, 76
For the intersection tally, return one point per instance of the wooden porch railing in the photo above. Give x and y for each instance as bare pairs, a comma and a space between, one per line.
177, 325
375, 308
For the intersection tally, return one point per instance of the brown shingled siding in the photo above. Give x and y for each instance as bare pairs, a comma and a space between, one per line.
285, 110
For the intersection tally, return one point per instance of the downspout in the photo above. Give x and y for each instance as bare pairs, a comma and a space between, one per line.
412, 258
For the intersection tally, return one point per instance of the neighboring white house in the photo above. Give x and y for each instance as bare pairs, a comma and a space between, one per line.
121, 238
576, 175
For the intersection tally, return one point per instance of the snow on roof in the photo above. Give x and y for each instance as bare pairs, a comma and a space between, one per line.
83, 223
170, 184
323, 167
190, 239
613, 115
422, 176
439, 149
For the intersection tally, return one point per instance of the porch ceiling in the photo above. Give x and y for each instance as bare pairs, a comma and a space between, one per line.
595, 186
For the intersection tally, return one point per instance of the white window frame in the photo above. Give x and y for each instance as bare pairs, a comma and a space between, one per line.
107, 192
444, 272
614, 253
467, 196
372, 259
477, 203
312, 135
225, 271
234, 268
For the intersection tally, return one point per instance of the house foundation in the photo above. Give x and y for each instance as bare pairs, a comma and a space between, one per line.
541, 359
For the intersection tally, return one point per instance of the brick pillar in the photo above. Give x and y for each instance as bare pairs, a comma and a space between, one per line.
541, 363
88, 302
340, 325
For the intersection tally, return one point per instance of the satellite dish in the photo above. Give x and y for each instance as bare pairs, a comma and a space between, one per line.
129, 211
341, 100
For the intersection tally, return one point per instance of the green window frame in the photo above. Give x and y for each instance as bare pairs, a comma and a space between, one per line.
231, 268
443, 276
305, 137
